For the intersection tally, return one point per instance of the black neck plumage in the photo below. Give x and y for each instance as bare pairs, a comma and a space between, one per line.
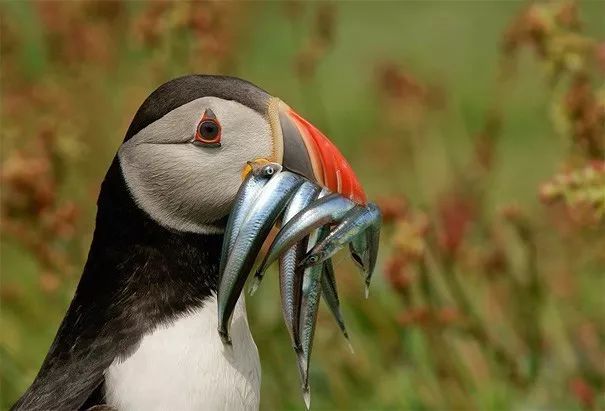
138, 275
173, 269
124, 232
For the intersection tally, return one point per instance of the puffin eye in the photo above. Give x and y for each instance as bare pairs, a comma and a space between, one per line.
208, 131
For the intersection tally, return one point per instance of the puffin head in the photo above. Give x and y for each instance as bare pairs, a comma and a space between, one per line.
187, 150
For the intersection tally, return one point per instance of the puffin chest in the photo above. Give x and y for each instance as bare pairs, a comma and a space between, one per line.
183, 365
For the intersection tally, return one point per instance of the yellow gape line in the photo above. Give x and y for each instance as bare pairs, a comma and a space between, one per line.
248, 167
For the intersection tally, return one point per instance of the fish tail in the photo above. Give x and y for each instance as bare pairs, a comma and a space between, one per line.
349, 343
307, 396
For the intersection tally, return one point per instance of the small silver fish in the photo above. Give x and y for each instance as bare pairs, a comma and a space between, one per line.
248, 193
358, 221
290, 289
373, 242
291, 277
330, 295
253, 231
326, 210
305, 194
311, 293
363, 256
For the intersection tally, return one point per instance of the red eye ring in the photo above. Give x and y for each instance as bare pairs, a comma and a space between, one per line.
208, 130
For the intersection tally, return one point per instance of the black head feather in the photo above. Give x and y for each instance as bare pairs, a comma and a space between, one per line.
182, 90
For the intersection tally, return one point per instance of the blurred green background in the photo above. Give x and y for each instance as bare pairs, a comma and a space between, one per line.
477, 126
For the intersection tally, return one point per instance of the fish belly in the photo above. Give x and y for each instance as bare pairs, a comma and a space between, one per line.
185, 366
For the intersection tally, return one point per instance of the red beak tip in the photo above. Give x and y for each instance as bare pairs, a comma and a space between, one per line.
336, 173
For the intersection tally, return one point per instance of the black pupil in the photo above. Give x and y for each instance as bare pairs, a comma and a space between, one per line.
209, 130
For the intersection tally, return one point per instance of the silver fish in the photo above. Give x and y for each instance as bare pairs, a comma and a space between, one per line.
360, 253
311, 293
326, 210
305, 194
246, 195
291, 277
373, 241
359, 221
254, 230
290, 288
330, 295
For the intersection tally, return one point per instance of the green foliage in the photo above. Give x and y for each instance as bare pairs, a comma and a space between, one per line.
460, 117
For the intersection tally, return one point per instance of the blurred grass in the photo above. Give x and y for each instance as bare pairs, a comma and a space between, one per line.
81, 70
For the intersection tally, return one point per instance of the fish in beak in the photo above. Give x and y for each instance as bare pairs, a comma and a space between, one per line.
309, 193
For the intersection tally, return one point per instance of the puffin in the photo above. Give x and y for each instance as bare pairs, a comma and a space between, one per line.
141, 330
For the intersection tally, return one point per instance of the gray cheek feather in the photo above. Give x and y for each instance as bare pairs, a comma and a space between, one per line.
186, 187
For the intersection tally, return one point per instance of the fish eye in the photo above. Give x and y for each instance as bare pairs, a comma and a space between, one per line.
313, 259
270, 170
208, 132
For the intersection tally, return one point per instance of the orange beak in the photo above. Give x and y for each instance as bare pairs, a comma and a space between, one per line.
307, 151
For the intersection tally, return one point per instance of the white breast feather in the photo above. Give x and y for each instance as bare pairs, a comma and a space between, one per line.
185, 366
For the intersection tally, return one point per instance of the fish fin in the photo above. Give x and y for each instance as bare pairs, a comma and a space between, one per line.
357, 260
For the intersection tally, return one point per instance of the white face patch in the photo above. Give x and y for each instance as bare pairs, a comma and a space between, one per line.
184, 186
